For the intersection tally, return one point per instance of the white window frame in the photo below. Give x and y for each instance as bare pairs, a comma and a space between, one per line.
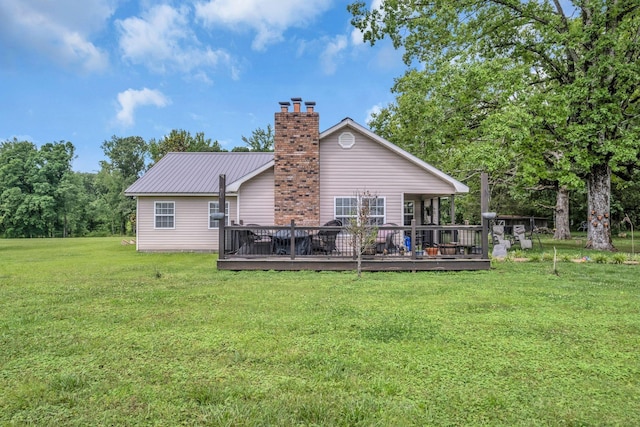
379, 219
217, 209
409, 205
157, 216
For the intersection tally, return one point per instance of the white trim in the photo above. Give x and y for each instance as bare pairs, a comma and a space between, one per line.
155, 215
227, 208
459, 187
229, 194
138, 222
415, 210
383, 198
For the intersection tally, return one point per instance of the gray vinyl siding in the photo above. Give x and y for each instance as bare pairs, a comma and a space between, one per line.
256, 200
191, 232
370, 166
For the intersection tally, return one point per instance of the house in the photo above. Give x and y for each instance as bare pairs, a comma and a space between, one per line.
312, 177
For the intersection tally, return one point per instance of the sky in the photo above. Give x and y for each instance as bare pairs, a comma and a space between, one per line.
86, 70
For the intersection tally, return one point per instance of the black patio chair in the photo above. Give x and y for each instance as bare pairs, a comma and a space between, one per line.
324, 242
244, 240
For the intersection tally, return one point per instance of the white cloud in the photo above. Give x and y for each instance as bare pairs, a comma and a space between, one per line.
59, 30
332, 52
371, 111
131, 99
268, 18
162, 38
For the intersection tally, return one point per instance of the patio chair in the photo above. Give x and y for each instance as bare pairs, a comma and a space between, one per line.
389, 241
519, 231
244, 240
498, 235
324, 242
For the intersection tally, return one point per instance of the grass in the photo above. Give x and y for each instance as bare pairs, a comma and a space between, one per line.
93, 333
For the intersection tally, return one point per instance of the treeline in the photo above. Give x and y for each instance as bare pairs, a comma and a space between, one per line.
41, 195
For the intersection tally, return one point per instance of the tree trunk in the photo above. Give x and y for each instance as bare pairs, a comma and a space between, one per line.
599, 219
562, 232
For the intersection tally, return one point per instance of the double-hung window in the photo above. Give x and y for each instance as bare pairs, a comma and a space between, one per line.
409, 210
165, 214
346, 209
214, 207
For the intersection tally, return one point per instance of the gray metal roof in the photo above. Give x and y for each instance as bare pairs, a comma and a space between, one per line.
197, 173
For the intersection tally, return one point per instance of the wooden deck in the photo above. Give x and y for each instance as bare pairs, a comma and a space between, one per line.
437, 248
346, 264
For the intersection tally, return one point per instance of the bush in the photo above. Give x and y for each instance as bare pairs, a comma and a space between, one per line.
619, 258
600, 258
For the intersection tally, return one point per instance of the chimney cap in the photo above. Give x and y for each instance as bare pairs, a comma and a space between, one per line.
296, 100
310, 103
285, 103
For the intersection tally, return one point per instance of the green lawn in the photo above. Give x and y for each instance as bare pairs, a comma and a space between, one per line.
93, 333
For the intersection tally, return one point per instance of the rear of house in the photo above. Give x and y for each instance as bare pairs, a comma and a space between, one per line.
311, 178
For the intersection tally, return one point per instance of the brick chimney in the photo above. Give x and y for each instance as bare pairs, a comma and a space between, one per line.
297, 167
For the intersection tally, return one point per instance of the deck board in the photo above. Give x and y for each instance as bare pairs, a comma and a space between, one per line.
347, 264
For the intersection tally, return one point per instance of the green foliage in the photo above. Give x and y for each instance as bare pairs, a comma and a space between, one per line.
600, 258
125, 165
260, 139
126, 155
36, 188
619, 258
90, 336
181, 141
552, 90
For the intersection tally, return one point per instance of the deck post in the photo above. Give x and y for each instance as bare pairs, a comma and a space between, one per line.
222, 188
413, 239
484, 207
452, 208
292, 241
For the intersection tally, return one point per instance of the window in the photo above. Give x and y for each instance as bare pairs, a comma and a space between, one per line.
346, 208
165, 214
409, 209
214, 207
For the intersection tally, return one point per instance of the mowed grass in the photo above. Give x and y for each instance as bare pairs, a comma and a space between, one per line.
93, 333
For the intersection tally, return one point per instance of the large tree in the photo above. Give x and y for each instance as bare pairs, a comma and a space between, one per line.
181, 141
125, 164
579, 59
31, 203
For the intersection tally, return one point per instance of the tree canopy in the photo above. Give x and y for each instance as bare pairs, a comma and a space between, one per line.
180, 140
558, 78
32, 187
260, 140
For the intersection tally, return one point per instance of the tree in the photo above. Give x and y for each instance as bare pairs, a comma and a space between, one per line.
582, 65
126, 155
362, 231
31, 204
126, 164
181, 141
260, 139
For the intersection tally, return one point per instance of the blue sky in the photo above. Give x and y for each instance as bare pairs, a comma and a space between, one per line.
84, 70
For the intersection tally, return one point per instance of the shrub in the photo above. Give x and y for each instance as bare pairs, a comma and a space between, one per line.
535, 257
600, 258
619, 258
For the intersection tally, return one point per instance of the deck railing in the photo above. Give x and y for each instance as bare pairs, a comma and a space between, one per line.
293, 241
